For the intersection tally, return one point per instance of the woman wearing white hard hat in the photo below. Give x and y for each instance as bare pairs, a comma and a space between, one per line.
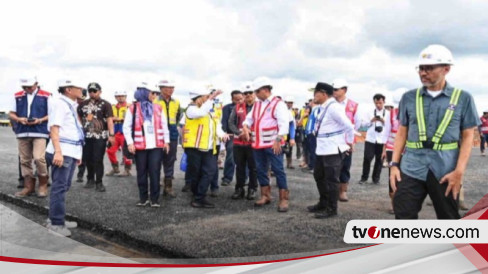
146, 133
437, 123
119, 111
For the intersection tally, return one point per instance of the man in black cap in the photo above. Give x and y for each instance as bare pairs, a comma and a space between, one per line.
96, 116
335, 135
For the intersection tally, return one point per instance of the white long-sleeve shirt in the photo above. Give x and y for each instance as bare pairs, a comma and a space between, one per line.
195, 112
281, 113
334, 120
149, 135
378, 137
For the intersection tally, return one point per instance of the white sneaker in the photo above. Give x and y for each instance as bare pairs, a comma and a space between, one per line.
59, 229
143, 203
68, 224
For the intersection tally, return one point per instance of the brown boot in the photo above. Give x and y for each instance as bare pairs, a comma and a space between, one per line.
284, 197
343, 193
42, 191
168, 188
115, 170
29, 187
126, 172
265, 196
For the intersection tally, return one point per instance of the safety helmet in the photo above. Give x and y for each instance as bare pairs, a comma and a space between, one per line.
261, 82
120, 93
435, 55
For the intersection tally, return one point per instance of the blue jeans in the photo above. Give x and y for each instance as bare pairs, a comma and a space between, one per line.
484, 139
200, 171
148, 164
229, 165
263, 158
61, 182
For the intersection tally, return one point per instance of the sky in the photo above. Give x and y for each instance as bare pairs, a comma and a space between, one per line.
374, 45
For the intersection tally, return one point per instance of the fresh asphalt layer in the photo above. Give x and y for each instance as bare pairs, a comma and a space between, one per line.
234, 228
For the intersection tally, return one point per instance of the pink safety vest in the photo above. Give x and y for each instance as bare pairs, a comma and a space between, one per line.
484, 125
351, 108
139, 137
265, 127
394, 129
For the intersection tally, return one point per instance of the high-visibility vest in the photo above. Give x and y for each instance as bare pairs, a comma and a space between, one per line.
351, 108
434, 143
264, 130
394, 129
196, 133
484, 125
138, 126
171, 109
241, 113
119, 111
38, 109
304, 120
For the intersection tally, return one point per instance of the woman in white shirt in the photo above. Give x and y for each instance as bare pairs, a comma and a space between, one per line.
146, 133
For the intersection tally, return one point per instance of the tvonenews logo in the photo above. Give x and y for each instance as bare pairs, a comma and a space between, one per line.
416, 231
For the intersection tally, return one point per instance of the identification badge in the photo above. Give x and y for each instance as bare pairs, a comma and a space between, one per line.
150, 129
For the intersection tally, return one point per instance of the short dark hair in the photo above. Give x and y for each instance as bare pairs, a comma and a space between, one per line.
235, 92
379, 96
62, 90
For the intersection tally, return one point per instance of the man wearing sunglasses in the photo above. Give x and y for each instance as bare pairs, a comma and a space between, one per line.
29, 111
437, 123
97, 119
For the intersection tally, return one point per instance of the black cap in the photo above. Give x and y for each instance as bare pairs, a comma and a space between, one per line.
94, 86
324, 87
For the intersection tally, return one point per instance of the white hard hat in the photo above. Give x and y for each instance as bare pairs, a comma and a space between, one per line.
485, 111
143, 85
247, 86
198, 92
70, 83
397, 95
28, 81
261, 82
166, 83
120, 93
339, 83
289, 99
436, 54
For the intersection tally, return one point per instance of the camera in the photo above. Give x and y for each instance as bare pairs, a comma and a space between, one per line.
31, 120
378, 129
377, 117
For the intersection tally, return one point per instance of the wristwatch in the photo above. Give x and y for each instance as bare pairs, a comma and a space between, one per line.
391, 164
278, 139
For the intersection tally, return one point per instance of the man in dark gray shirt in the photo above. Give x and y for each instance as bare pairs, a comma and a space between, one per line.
437, 123
243, 155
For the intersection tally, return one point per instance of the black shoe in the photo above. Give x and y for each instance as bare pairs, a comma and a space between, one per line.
251, 194
79, 180
142, 204
21, 184
238, 194
99, 187
202, 204
362, 181
325, 215
214, 193
316, 208
225, 183
376, 182
90, 183
186, 188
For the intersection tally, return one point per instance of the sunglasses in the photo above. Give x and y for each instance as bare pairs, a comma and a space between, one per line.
427, 68
155, 93
247, 93
92, 91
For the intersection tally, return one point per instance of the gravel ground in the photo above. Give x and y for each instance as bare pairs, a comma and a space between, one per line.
233, 228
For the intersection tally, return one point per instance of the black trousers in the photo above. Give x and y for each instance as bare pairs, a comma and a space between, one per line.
244, 159
346, 168
200, 170
389, 158
93, 153
148, 164
169, 160
371, 151
411, 193
326, 174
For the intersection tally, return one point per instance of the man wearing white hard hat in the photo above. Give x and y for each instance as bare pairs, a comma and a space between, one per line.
119, 111
483, 130
290, 139
200, 134
351, 108
63, 152
29, 109
437, 123
171, 107
388, 149
267, 125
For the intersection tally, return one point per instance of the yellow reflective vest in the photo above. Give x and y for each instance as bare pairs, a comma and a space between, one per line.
171, 111
196, 133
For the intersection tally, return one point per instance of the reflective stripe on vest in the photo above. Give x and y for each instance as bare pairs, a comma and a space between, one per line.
265, 127
139, 136
241, 113
441, 129
171, 111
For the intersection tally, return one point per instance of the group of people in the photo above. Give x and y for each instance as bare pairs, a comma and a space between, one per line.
430, 133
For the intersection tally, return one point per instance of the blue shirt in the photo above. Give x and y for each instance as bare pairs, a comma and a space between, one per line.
416, 163
312, 117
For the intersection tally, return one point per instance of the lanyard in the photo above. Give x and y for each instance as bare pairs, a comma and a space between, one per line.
322, 118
